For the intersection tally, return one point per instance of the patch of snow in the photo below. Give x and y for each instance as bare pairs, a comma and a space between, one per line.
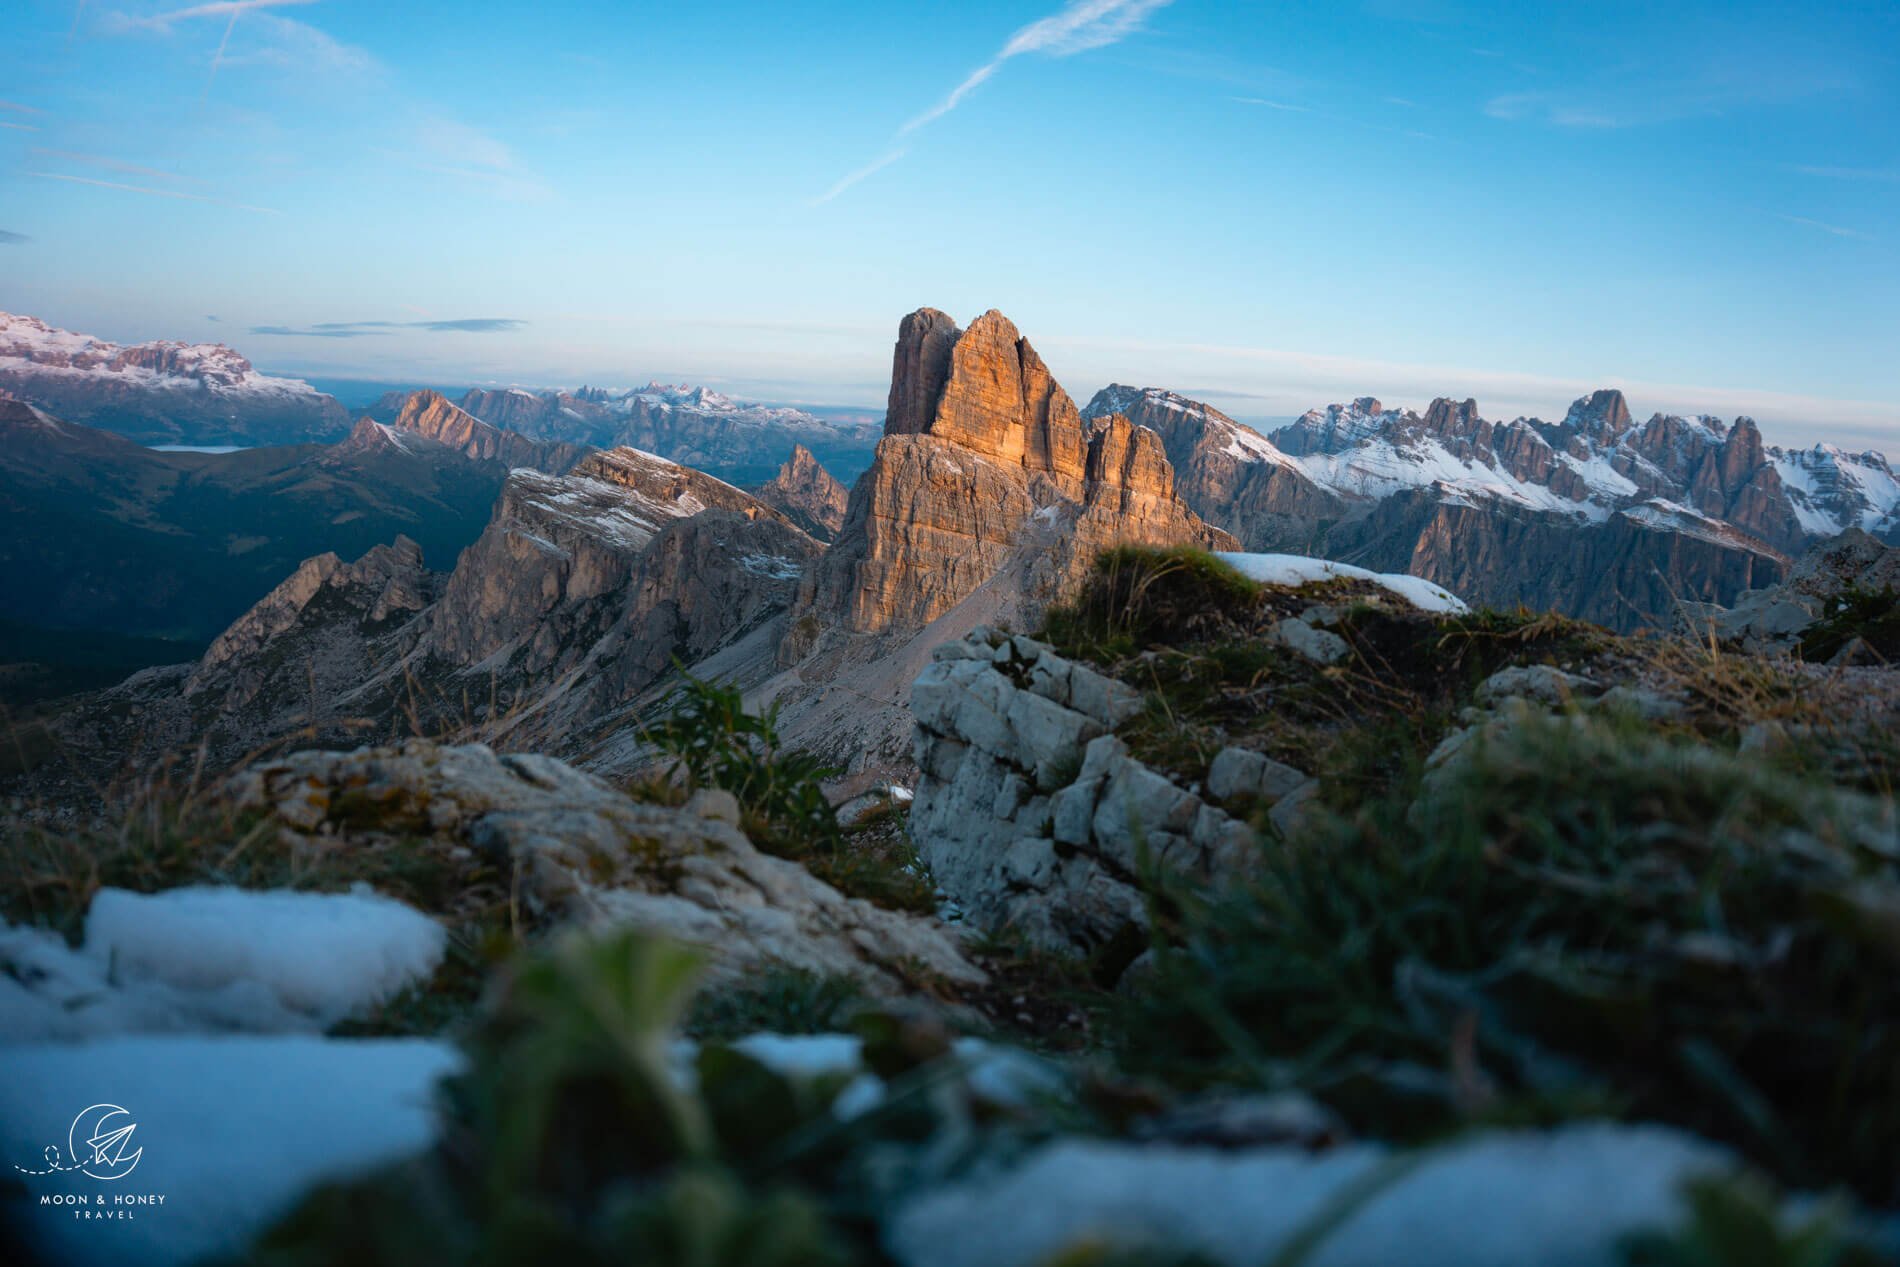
1599, 475
1298, 569
329, 955
233, 1130
776, 566
1564, 1198
214, 958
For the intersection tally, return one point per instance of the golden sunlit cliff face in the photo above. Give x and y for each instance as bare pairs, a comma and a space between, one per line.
984, 456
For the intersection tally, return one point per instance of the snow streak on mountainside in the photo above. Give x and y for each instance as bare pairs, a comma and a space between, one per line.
161, 390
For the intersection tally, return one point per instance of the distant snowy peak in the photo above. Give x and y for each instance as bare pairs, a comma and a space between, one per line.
1832, 490
1164, 411
588, 404
1337, 428
28, 341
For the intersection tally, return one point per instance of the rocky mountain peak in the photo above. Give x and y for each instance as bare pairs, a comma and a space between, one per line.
986, 390
370, 436
160, 392
1602, 413
804, 490
985, 461
1457, 420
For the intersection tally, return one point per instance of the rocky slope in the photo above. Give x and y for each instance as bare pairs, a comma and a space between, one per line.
740, 441
576, 600
161, 392
806, 493
1596, 515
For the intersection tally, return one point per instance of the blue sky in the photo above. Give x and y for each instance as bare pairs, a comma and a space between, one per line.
1270, 205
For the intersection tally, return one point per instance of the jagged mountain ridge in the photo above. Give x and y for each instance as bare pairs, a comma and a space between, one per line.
1594, 515
739, 441
161, 392
430, 415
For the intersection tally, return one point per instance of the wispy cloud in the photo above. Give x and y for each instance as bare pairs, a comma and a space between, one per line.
155, 193
10, 238
17, 108
1824, 227
217, 9
1271, 105
109, 164
365, 329
877, 164
18, 127
1080, 25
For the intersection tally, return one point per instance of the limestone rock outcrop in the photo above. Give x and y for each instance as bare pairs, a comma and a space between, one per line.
805, 493
1033, 815
1774, 617
583, 852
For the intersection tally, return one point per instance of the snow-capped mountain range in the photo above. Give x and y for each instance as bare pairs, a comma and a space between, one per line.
160, 391
1695, 474
743, 441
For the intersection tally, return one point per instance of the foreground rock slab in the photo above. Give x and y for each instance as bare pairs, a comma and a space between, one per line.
583, 852
1032, 814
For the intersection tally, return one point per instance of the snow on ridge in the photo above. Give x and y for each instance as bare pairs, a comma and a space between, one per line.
1379, 469
1238, 440
776, 566
1831, 489
1299, 569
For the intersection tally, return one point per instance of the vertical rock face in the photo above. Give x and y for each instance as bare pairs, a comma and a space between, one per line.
984, 457
1000, 401
807, 495
919, 369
